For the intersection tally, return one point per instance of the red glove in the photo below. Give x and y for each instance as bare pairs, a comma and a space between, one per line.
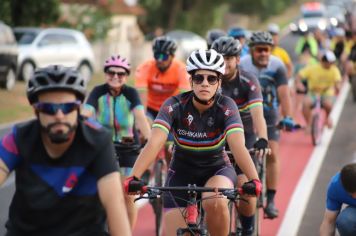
252, 187
133, 185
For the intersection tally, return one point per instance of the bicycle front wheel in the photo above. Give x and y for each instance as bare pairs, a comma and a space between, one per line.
157, 203
315, 129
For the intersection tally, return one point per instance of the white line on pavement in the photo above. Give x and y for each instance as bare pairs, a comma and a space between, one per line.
301, 194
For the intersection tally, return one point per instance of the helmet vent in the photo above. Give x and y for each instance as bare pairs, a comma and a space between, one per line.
71, 80
41, 80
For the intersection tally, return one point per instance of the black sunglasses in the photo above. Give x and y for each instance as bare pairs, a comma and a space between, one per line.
199, 78
113, 73
52, 108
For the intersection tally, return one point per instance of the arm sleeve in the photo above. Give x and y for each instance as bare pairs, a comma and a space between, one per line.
134, 99
105, 162
304, 73
255, 94
8, 151
232, 117
165, 117
332, 203
92, 100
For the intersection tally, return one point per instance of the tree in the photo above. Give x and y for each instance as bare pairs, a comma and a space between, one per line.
29, 12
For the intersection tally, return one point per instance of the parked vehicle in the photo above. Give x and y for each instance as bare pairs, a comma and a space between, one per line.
42, 47
8, 57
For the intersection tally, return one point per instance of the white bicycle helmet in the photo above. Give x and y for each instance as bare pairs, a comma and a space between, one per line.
206, 60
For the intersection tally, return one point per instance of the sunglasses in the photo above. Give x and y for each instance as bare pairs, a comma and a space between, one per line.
199, 78
161, 56
262, 49
52, 108
113, 73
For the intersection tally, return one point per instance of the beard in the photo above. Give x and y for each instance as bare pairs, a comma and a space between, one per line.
59, 136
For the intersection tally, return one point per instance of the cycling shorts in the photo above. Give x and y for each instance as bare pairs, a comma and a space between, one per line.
182, 177
126, 158
323, 98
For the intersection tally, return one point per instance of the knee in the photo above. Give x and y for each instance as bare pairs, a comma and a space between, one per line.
215, 206
346, 222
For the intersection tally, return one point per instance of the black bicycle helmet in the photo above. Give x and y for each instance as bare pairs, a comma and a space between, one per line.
164, 44
227, 46
55, 77
260, 37
213, 35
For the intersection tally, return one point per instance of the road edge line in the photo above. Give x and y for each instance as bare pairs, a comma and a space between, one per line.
299, 200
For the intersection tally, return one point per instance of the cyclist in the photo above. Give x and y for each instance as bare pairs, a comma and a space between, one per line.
201, 121
162, 77
278, 51
245, 90
324, 79
239, 34
212, 35
341, 190
271, 74
307, 42
117, 107
66, 176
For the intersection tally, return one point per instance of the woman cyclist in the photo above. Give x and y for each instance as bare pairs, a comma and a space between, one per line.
201, 121
118, 107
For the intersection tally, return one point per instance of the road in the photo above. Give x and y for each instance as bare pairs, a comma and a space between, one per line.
295, 153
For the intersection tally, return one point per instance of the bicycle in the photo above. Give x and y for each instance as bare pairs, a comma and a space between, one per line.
260, 164
316, 121
194, 220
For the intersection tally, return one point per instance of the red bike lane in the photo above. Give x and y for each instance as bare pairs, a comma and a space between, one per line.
295, 150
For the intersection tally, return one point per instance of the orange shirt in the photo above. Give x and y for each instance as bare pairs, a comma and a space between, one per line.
161, 85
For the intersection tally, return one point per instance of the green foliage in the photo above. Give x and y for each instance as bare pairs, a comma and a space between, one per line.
29, 12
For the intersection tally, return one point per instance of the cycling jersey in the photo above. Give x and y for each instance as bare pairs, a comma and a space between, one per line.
321, 80
281, 54
270, 78
57, 196
336, 195
199, 138
245, 90
161, 85
115, 113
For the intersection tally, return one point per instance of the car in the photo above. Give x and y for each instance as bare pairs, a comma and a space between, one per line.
8, 57
187, 42
336, 15
39, 47
313, 16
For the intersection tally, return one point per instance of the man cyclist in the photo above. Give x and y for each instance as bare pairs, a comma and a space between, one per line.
213, 35
162, 77
239, 34
323, 79
118, 107
201, 120
245, 90
341, 190
271, 74
66, 176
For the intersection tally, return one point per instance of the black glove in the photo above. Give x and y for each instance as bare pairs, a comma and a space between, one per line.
260, 144
252, 187
133, 185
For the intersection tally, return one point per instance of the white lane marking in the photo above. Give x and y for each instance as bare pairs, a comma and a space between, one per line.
301, 194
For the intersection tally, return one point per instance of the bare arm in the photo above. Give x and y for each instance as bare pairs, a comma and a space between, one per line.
243, 159
4, 172
150, 151
289, 67
142, 123
259, 122
327, 227
112, 199
284, 98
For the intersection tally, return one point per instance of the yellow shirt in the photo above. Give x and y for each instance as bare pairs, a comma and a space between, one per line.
321, 80
281, 54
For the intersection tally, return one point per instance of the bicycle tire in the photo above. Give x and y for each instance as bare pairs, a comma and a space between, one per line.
315, 129
157, 204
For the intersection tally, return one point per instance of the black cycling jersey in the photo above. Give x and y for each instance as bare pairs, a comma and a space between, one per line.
57, 196
245, 90
199, 138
